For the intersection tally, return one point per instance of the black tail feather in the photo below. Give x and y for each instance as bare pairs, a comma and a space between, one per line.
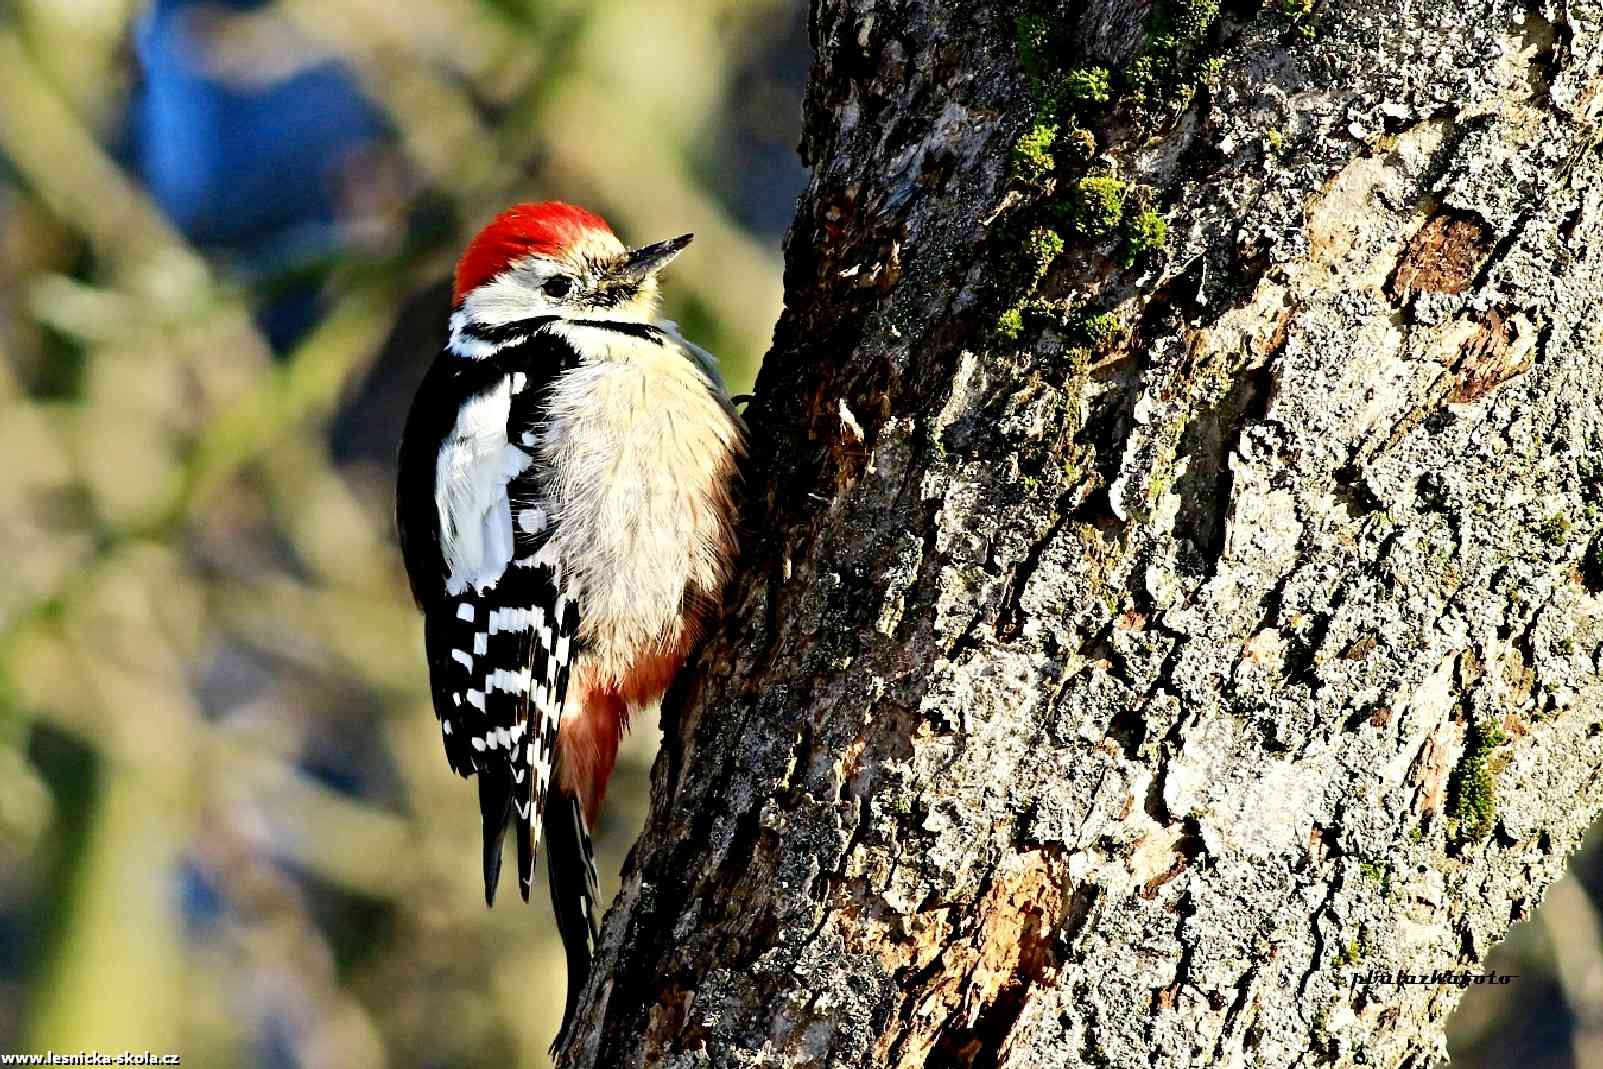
571, 871
495, 806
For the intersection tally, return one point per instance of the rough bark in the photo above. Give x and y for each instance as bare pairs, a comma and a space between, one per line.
1126, 696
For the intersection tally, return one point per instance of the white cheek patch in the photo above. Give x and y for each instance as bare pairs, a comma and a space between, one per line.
470, 490
512, 295
464, 343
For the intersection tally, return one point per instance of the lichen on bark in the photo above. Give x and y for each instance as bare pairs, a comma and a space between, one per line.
1122, 691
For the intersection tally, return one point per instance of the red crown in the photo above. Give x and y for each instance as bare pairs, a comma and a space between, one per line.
548, 228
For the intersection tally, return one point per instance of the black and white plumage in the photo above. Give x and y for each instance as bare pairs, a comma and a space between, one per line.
565, 507
500, 630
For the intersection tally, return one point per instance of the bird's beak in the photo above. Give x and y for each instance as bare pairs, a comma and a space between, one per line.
642, 263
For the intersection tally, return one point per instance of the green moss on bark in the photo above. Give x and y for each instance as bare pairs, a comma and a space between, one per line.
1096, 207
1177, 31
1043, 246
1472, 787
1070, 100
1087, 85
1010, 324
1144, 232
1098, 333
1032, 153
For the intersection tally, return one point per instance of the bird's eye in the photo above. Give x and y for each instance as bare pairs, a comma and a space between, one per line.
558, 286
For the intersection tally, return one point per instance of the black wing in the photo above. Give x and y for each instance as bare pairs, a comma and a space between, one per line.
498, 652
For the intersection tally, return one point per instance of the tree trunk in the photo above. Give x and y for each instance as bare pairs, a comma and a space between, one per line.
1145, 641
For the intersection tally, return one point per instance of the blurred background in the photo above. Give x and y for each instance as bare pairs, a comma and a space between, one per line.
227, 829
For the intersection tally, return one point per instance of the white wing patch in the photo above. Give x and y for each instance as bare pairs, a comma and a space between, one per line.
471, 475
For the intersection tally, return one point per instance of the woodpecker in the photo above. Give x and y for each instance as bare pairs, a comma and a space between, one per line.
565, 505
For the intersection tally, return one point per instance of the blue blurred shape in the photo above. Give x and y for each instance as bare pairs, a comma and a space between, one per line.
200, 899
243, 130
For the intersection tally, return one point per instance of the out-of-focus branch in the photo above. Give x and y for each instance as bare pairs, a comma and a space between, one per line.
1576, 935
67, 169
303, 387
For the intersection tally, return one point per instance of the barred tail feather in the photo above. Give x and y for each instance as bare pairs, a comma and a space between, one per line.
571, 872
